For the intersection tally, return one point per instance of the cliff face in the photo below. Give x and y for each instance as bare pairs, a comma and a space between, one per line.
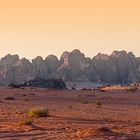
74, 66
119, 67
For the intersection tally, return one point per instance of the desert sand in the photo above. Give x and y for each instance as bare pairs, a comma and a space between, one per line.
73, 115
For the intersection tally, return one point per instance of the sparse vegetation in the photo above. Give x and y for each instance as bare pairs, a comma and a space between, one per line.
25, 99
26, 122
79, 96
70, 107
23, 95
38, 112
32, 94
68, 115
98, 104
9, 98
85, 102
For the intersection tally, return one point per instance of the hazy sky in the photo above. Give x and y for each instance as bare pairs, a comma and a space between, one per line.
41, 27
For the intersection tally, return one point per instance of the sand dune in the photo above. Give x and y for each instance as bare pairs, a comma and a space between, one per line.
74, 115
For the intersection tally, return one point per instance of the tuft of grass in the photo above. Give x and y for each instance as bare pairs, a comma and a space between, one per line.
38, 112
85, 102
26, 122
32, 94
98, 104
79, 96
24, 95
9, 98
70, 107
25, 99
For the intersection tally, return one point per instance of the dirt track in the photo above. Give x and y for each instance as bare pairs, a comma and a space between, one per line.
74, 115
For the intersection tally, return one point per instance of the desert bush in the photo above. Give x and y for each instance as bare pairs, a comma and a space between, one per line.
25, 99
98, 104
32, 94
26, 122
70, 107
85, 102
9, 98
79, 96
38, 112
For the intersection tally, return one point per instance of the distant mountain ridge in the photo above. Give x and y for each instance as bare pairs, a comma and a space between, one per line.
119, 67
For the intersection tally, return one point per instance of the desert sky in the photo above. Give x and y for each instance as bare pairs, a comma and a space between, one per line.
42, 27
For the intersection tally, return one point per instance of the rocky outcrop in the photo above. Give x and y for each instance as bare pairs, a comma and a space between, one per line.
52, 64
39, 67
104, 68
9, 59
74, 66
7, 69
119, 67
49, 83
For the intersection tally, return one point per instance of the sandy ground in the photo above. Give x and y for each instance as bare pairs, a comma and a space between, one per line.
74, 115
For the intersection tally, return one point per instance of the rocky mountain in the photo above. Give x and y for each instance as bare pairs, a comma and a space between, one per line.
119, 67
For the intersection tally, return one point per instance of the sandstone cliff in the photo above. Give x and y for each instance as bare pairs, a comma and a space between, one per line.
119, 67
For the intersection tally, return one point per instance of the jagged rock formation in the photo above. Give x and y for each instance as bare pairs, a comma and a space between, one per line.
74, 66
49, 83
52, 64
119, 67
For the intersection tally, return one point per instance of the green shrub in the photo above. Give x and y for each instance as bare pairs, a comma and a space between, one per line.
38, 112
